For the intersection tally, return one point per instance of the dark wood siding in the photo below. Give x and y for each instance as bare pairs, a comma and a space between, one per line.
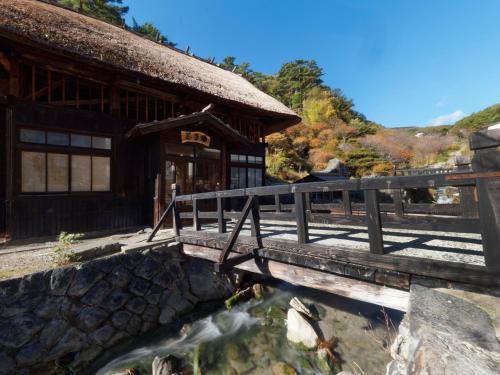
2, 169
49, 214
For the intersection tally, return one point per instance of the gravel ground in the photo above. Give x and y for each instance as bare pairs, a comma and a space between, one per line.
19, 258
23, 258
449, 246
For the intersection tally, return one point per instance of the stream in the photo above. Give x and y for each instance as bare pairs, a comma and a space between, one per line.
251, 338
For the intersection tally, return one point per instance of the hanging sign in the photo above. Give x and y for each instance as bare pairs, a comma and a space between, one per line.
195, 137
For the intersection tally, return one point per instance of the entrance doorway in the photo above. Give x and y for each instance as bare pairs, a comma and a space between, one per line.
193, 169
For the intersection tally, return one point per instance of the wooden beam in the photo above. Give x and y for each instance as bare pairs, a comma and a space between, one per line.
343, 286
325, 257
346, 202
196, 220
221, 222
255, 221
236, 230
398, 203
301, 214
232, 262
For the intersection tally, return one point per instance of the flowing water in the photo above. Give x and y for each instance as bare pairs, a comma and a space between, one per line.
251, 338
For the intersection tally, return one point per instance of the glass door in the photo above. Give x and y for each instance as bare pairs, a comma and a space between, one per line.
178, 172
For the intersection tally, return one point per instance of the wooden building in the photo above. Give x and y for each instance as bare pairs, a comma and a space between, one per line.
96, 122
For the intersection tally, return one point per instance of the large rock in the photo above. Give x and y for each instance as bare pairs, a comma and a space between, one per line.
30, 354
97, 294
60, 279
138, 286
148, 268
136, 305
52, 332
204, 284
119, 277
16, 332
7, 364
300, 331
121, 318
85, 278
168, 365
73, 341
90, 318
49, 307
443, 334
115, 300
102, 335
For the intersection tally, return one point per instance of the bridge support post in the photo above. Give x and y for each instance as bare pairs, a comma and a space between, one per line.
373, 222
196, 219
346, 202
277, 203
221, 223
301, 214
175, 211
487, 159
398, 202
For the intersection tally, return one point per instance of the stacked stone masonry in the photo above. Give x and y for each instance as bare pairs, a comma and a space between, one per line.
71, 315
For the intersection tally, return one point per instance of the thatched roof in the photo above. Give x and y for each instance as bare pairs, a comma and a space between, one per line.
66, 31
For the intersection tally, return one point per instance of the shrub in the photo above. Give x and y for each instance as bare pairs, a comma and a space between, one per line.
62, 254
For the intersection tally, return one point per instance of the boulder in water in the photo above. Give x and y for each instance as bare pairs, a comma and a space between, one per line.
168, 365
300, 331
301, 308
258, 291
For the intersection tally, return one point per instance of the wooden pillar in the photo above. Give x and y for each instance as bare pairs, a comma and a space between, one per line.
468, 205
196, 219
175, 213
156, 200
398, 202
255, 220
10, 172
221, 223
224, 167
301, 215
373, 222
487, 159
114, 101
277, 203
346, 202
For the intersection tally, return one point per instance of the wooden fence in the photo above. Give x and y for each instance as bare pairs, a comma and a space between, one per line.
372, 213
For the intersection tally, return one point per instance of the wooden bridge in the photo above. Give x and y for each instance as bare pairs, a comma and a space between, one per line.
371, 249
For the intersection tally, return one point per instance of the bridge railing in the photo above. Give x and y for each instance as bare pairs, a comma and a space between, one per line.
372, 213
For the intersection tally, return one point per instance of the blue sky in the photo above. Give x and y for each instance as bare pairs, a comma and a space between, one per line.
403, 62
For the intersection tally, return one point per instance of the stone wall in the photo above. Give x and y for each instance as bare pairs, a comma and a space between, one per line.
446, 334
69, 316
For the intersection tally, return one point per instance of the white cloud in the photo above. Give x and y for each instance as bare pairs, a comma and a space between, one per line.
450, 118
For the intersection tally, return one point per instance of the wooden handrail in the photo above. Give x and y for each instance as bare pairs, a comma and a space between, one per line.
375, 183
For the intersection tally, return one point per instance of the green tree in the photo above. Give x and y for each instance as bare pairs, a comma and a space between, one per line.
107, 10
295, 80
151, 31
361, 161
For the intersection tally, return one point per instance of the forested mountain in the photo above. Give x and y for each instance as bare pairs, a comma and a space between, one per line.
478, 120
332, 128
